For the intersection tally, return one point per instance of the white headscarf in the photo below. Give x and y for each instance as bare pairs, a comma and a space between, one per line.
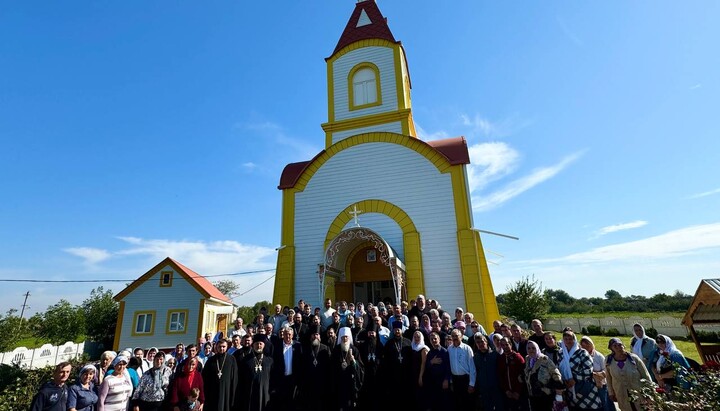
532, 358
564, 365
421, 345
343, 332
670, 349
637, 347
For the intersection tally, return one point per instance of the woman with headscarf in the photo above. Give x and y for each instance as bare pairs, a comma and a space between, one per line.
114, 393
671, 368
552, 349
82, 395
185, 380
576, 367
102, 367
417, 366
152, 389
599, 372
644, 347
542, 377
625, 371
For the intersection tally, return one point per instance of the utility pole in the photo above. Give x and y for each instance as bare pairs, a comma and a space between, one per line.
22, 312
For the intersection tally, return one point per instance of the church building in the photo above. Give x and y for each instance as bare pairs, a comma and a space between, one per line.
379, 213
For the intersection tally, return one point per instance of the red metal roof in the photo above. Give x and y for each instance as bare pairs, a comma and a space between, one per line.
454, 149
378, 29
200, 283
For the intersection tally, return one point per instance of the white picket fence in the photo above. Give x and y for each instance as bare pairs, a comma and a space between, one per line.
41, 357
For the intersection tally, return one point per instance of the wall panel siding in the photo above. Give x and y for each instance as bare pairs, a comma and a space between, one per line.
394, 127
387, 172
149, 296
382, 57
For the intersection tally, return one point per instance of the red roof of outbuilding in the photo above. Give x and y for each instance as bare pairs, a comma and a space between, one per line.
378, 29
454, 149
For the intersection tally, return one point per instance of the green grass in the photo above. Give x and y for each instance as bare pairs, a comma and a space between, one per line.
687, 347
618, 314
31, 342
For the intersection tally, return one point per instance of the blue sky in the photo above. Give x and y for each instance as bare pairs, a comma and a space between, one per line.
131, 131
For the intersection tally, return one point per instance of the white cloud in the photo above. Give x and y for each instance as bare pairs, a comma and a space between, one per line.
91, 256
519, 186
425, 136
705, 194
215, 257
278, 134
696, 86
490, 162
620, 227
250, 165
674, 243
479, 124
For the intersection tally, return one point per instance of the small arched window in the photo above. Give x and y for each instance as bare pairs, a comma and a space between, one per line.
365, 86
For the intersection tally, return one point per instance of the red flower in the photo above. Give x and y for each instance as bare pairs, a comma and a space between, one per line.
660, 390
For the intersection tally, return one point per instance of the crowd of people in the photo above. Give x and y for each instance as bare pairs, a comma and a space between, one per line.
346, 357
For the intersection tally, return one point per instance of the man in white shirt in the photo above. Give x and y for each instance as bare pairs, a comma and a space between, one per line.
277, 319
326, 315
463, 371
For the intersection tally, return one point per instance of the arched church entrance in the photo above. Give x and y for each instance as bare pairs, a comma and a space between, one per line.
361, 266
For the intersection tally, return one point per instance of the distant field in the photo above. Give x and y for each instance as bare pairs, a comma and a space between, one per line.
687, 347
619, 314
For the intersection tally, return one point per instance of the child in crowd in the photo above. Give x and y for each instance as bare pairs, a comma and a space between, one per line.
192, 402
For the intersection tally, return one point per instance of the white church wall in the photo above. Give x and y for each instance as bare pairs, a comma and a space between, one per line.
394, 127
383, 58
389, 172
388, 229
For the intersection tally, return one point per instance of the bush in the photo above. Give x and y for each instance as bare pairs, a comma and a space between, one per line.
707, 336
651, 332
613, 332
594, 330
18, 385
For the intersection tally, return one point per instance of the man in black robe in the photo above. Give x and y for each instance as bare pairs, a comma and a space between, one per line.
371, 354
299, 329
254, 373
397, 355
286, 372
245, 348
315, 364
220, 377
346, 372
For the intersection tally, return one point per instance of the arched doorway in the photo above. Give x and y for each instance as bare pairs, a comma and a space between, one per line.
364, 268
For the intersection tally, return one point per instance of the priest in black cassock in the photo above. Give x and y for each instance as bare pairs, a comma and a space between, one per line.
346, 371
315, 365
396, 367
220, 376
254, 379
371, 351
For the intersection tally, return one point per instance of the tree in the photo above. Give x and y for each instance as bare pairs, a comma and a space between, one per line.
10, 330
228, 287
62, 322
525, 300
101, 316
613, 295
248, 313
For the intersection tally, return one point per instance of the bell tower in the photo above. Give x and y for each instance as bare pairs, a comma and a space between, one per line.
368, 79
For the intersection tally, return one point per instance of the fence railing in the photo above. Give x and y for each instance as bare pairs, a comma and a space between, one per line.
41, 357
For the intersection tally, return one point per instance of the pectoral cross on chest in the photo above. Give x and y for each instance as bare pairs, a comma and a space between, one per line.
400, 357
219, 374
258, 367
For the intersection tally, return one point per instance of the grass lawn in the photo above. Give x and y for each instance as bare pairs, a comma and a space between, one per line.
687, 347
619, 314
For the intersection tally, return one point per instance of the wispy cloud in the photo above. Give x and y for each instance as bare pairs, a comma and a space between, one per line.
569, 33
705, 194
696, 86
490, 162
249, 165
425, 136
519, 186
619, 227
280, 136
91, 256
481, 126
674, 243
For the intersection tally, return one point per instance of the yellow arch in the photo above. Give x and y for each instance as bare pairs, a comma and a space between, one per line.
411, 238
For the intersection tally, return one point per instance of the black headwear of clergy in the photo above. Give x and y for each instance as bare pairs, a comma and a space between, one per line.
397, 324
373, 327
314, 329
260, 338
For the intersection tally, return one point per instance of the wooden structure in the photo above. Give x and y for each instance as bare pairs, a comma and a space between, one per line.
705, 309
170, 304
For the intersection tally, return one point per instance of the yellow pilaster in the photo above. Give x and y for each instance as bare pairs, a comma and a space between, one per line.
284, 290
413, 264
